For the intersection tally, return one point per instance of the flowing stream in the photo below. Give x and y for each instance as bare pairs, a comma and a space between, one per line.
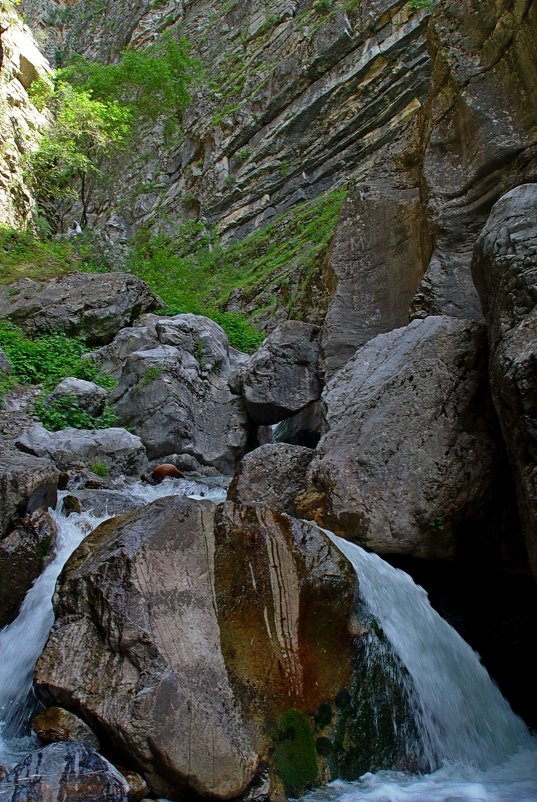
478, 750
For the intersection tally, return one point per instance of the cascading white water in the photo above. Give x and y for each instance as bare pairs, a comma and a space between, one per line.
22, 641
484, 750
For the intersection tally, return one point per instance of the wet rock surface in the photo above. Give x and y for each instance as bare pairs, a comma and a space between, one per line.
505, 270
70, 772
95, 306
116, 450
56, 724
165, 602
24, 553
408, 455
27, 484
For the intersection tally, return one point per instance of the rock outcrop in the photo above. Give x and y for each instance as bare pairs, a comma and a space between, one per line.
409, 455
176, 395
24, 553
273, 475
484, 59
67, 771
93, 305
116, 450
27, 484
181, 598
505, 269
5, 366
20, 121
282, 377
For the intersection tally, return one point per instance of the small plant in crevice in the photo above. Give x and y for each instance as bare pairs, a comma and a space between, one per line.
150, 375
100, 469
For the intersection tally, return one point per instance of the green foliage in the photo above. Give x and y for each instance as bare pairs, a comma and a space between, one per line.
295, 753
100, 469
243, 154
322, 5
48, 359
151, 82
23, 255
150, 375
85, 131
66, 411
437, 524
417, 4
192, 272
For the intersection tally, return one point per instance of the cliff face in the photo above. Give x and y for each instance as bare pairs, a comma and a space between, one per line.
20, 63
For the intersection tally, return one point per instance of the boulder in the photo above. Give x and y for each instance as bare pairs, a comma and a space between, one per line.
176, 397
115, 450
194, 613
5, 366
104, 502
56, 724
24, 552
70, 772
409, 455
282, 376
504, 270
27, 484
93, 305
88, 395
273, 475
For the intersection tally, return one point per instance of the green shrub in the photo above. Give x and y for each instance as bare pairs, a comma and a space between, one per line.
49, 358
100, 469
66, 411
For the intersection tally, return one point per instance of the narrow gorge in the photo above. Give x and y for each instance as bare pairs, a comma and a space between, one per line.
268, 451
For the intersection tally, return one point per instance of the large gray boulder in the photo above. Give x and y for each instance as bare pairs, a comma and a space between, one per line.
282, 376
200, 618
505, 273
407, 457
273, 475
64, 771
27, 484
176, 395
115, 450
88, 395
94, 305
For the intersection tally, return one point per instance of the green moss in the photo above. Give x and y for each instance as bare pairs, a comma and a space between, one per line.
150, 375
100, 469
295, 753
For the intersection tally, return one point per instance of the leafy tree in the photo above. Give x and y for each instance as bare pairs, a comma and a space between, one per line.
94, 108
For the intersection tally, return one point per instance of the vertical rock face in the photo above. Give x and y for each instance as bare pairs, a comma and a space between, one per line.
479, 135
505, 271
27, 483
20, 121
209, 624
408, 455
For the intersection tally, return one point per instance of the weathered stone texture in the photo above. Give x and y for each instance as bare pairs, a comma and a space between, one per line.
175, 395
208, 623
479, 135
282, 377
505, 272
407, 456
95, 305
273, 475
27, 484
117, 449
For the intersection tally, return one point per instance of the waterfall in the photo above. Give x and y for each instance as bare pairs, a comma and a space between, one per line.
484, 751
22, 641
